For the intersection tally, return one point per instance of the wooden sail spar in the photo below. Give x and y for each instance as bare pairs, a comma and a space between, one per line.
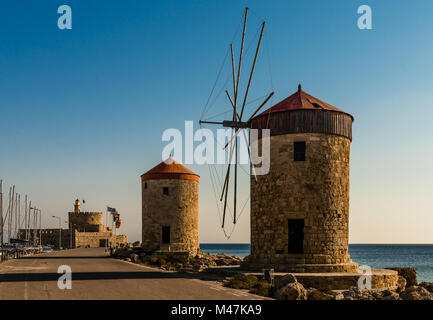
236, 122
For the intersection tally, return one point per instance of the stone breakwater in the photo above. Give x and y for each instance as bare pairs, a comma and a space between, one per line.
287, 287
175, 261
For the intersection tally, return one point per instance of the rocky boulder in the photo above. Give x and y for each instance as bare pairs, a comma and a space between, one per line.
247, 259
134, 257
142, 256
222, 259
386, 294
392, 296
339, 296
427, 285
401, 284
315, 294
202, 261
354, 293
288, 288
416, 293
408, 273
292, 291
121, 254
280, 282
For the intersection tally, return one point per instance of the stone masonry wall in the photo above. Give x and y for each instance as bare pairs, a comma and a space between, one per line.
76, 239
380, 279
49, 236
316, 190
98, 239
178, 210
87, 221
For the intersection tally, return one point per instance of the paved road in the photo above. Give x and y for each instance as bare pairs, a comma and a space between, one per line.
97, 276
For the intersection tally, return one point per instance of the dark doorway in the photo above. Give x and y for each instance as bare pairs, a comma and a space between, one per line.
103, 243
166, 235
296, 236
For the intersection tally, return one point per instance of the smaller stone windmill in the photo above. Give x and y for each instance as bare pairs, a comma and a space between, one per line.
170, 208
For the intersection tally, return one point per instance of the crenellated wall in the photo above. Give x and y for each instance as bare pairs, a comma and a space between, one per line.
87, 221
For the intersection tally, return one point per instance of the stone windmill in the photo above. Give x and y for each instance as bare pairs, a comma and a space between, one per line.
300, 209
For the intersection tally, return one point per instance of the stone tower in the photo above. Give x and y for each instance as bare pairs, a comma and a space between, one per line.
170, 208
300, 209
85, 221
77, 206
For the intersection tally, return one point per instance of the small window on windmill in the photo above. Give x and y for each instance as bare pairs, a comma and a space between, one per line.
299, 151
165, 191
145, 185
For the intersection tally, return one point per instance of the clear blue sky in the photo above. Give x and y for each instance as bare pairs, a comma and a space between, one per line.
82, 111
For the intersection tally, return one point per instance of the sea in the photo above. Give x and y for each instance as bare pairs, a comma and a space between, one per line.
418, 256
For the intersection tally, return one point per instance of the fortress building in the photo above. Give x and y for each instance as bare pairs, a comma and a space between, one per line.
86, 229
300, 209
170, 209
86, 221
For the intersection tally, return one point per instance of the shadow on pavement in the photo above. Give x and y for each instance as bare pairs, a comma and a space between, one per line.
18, 277
63, 257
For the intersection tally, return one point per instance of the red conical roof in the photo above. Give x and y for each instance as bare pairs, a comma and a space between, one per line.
300, 100
170, 169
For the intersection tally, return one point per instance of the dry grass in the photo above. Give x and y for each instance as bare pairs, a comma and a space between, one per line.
251, 283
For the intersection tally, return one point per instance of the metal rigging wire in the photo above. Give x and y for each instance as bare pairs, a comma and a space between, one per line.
221, 68
216, 177
215, 83
206, 111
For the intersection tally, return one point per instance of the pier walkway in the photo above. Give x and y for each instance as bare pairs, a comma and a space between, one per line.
97, 276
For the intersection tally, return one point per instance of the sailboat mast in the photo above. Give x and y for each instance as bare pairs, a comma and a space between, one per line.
19, 217
29, 221
40, 227
1, 217
25, 218
11, 213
